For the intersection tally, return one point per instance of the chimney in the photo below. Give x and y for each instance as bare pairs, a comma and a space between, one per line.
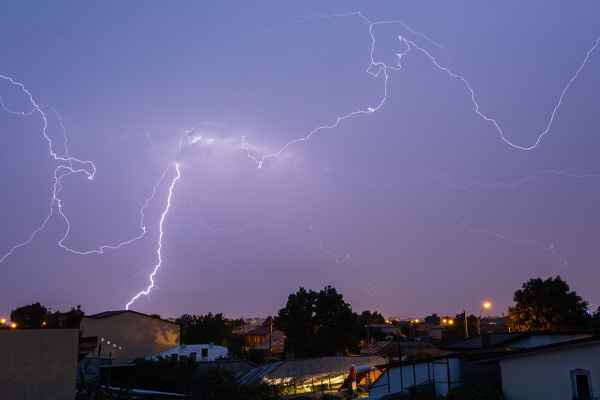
486, 341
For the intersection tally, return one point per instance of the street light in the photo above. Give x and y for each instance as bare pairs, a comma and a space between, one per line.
484, 305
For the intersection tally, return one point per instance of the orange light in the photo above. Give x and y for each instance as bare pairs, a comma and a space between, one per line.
451, 321
417, 320
43, 323
13, 325
487, 305
444, 321
3, 321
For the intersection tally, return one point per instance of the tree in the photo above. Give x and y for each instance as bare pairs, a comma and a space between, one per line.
433, 319
366, 319
31, 316
317, 324
547, 305
456, 331
74, 316
205, 329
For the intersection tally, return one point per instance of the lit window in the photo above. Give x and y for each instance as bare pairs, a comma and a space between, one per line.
580, 382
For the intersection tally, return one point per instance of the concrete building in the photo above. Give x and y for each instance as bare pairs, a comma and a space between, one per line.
38, 363
127, 335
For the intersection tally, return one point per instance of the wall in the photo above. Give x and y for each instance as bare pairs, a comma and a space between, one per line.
444, 373
546, 375
38, 364
137, 335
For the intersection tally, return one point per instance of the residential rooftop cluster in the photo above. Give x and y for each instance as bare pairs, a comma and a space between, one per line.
314, 346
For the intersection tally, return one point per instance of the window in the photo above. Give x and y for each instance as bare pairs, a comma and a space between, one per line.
580, 382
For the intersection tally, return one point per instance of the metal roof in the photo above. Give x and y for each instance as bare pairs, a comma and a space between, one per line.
476, 342
256, 375
214, 352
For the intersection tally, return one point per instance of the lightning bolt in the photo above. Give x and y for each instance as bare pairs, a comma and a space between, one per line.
160, 237
73, 166
68, 165
377, 68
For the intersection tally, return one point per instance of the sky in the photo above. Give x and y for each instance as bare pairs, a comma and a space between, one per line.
216, 156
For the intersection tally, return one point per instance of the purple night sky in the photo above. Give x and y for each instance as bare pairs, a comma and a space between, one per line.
420, 157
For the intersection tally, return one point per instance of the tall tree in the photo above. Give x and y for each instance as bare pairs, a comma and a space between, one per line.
32, 315
206, 328
547, 305
317, 324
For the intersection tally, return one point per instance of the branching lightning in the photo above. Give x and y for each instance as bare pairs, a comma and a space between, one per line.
377, 69
159, 249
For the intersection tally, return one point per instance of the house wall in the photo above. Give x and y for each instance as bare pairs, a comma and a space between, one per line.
38, 364
137, 335
546, 375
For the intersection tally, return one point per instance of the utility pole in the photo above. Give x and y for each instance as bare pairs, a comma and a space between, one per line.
466, 326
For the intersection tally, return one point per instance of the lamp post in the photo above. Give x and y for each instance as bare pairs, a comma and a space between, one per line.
367, 326
466, 326
484, 305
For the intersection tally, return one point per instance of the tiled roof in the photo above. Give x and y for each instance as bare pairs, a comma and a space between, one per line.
261, 330
475, 342
374, 347
266, 345
214, 352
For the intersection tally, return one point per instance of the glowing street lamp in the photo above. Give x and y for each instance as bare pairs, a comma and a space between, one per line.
484, 305
13, 325
3, 321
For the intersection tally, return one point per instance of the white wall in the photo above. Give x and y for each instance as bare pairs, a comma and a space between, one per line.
546, 375
417, 374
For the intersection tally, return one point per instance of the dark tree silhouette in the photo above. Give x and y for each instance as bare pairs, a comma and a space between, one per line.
547, 305
29, 316
317, 324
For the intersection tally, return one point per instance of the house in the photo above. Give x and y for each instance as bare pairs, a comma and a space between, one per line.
492, 325
264, 334
38, 363
126, 335
387, 329
479, 359
381, 347
561, 370
199, 352
272, 350
438, 375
